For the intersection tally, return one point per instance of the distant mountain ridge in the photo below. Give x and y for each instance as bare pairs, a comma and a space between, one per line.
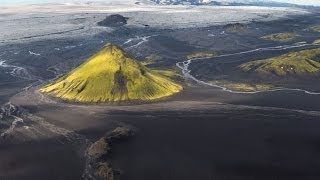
265, 3
268, 3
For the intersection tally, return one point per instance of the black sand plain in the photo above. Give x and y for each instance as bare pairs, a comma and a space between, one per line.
201, 133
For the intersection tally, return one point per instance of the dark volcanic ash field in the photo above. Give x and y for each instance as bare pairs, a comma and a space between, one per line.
202, 133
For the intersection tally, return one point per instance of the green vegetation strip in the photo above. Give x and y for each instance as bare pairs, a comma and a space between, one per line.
315, 28
317, 42
244, 87
280, 37
305, 62
201, 55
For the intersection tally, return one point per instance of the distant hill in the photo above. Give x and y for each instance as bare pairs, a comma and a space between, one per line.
236, 28
299, 64
109, 76
114, 20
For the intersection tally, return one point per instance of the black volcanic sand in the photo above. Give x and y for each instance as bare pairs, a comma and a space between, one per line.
9, 89
220, 144
42, 159
188, 136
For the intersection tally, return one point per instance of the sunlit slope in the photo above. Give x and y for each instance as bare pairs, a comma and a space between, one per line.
280, 37
111, 75
315, 28
305, 62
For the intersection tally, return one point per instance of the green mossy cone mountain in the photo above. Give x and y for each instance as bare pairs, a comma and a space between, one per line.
109, 76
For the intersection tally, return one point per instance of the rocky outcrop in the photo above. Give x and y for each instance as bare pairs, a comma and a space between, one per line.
115, 20
235, 28
99, 152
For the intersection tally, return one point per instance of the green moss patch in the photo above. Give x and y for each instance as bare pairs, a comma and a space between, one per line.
280, 37
300, 63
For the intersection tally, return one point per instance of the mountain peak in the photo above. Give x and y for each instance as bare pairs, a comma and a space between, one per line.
115, 51
111, 47
111, 75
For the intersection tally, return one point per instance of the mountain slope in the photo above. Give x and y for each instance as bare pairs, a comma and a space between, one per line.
300, 63
111, 75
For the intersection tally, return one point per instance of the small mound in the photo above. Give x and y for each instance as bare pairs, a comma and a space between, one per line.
301, 63
102, 146
99, 148
115, 20
120, 133
110, 76
98, 152
105, 171
280, 37
235, 28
